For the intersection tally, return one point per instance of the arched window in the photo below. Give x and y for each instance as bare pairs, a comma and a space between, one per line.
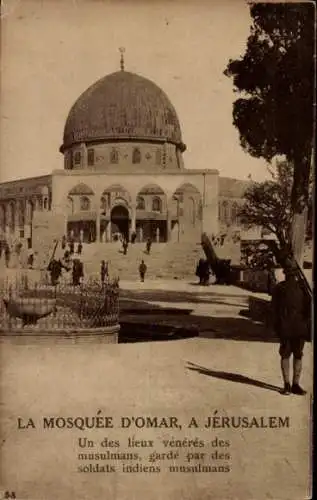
157, 204
77, 158
114, 157
91, 157
158, 157
140, 203
69, 160
84, 203
103, 204
136, 156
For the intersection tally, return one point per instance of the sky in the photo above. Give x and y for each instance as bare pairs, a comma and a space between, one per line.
52, 50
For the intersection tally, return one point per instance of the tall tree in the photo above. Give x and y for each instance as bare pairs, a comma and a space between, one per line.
268, 205
275, 114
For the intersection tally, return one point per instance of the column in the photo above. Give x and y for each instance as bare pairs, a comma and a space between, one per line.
2, 221
108, 231
17, 220
35, 203
133, 221
6, 220
157, 235
98, 226
12, 212
168, 226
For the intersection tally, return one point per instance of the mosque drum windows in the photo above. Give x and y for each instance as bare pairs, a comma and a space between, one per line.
124, 168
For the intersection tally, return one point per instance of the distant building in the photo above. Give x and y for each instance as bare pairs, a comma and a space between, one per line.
124, 172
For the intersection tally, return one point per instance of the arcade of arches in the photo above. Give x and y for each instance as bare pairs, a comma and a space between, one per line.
151, 214
122, 133
91, 217
18, 204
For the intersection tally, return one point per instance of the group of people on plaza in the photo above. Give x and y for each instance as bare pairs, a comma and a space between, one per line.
71, 261
290, 300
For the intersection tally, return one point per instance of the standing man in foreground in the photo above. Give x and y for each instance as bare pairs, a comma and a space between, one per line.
291, 316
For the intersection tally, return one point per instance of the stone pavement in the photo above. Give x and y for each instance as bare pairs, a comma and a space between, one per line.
45, 376
207, 301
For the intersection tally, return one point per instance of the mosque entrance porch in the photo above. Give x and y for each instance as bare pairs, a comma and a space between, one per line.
156, 230
84, 231
120, 222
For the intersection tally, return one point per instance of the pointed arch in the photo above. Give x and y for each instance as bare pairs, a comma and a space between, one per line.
81, 189
85, 204
140, 203
70, 205
156, 204
188, 188
192, 211
114, 194
152, 188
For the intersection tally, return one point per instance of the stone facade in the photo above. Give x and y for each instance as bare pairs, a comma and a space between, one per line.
181, 204
18, 200
123, 173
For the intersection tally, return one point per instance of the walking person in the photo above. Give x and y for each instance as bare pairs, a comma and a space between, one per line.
55, 269
148, 245
78, 272
291, 322
103, 271
71, 247
64, 241
133, 237
79, 248
30, 259
142, 270
125, 245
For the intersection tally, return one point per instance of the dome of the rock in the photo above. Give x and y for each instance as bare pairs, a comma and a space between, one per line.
122, 106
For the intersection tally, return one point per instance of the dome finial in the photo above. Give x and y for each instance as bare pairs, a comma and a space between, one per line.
122, 51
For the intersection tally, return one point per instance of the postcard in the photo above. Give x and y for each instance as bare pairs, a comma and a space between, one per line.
156, 242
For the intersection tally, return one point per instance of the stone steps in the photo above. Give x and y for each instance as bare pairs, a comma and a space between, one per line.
165, 260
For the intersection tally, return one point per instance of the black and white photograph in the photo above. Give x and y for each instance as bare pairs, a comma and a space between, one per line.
156, 249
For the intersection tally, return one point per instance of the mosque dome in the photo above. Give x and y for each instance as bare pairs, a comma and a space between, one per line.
122, 106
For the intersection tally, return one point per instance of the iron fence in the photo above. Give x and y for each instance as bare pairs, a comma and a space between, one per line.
61, 307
